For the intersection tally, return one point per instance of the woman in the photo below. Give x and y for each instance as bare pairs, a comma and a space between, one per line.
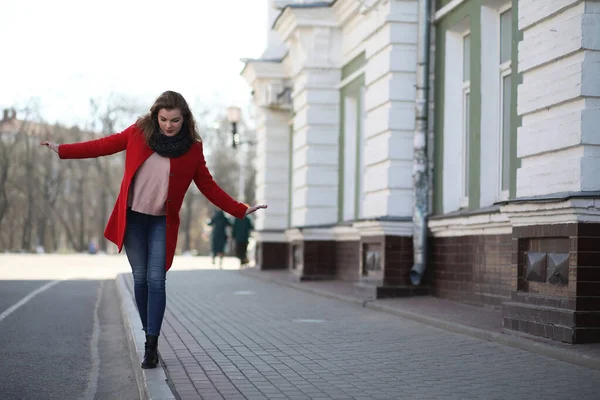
163, 155
241, 234
219, 224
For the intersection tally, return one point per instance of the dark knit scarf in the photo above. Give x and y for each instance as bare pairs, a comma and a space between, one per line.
171, 146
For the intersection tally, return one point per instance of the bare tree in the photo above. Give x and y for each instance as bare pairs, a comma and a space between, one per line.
29, 182
11, 133
50, 185
63, 204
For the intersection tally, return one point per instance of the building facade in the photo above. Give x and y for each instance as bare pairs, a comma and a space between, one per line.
514, 217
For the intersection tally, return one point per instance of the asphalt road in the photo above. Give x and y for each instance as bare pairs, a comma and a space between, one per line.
61, 333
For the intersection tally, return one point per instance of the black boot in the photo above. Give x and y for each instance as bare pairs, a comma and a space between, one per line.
151, 353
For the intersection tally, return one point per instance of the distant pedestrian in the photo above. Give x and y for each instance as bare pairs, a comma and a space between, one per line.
164, 153
219, 223
241, 236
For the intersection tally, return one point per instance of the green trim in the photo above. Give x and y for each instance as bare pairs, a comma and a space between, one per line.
351, 89
475, 112
471, 9
466, 10
354, 65
442, 3
291, 174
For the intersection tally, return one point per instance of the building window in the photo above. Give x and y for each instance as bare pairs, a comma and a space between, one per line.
350, 150
352, 140
505, 69
466, 116
457, 157
291, 174
497, 136
351, 153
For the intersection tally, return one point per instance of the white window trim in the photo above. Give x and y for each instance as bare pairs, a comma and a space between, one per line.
453, 153
361, 151
354, 168
351, 115
351, 77
466, 90
491, 124
507, 6
464, 195
505, 70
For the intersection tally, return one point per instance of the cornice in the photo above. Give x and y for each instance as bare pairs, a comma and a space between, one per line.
262, 69
558, 212
292, 19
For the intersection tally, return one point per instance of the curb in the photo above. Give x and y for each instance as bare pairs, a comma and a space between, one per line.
152, 383
522, 342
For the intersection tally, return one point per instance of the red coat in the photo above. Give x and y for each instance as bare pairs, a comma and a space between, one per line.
184, 169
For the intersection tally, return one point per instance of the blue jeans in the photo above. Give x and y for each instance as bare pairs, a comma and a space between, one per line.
145, 245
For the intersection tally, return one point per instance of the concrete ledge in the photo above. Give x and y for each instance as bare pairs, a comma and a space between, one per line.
523, 342
152, 383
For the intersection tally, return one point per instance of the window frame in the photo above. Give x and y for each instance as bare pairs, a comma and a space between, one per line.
465, 124
351, 207
504, 71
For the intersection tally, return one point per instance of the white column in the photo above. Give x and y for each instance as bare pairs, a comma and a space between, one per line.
273, 144
559, 57
272, 166
312, 63
390, 80
315, 147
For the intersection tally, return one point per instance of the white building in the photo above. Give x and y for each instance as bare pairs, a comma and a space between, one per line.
515, 214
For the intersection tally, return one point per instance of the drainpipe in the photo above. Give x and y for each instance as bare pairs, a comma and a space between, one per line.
420, 160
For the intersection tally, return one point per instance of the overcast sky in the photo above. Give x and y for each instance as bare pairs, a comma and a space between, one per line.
63, 52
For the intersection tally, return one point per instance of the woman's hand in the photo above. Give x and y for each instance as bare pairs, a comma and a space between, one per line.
250, 210
52, 145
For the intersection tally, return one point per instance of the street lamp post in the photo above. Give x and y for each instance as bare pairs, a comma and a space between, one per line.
233, 116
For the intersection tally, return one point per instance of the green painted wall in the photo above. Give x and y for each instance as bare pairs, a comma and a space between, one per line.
354, 65
470, 9
442, 3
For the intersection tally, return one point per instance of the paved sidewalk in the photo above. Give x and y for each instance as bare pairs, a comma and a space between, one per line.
479, 322
228, 336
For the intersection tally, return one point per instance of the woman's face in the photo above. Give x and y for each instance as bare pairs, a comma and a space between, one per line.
170, 121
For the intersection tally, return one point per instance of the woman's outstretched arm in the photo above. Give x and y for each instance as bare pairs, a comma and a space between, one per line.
94, 148
209, 188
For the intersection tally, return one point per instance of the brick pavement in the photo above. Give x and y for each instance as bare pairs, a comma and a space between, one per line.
227, 336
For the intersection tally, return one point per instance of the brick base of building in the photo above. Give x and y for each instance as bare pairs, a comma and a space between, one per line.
385, 264
556, 282
378, 265
271, 255
471, 269
312, 259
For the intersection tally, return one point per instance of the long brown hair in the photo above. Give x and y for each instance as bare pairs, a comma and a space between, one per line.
169, 100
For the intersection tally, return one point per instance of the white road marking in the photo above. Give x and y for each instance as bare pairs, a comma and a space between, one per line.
310, 321
92, 386
25, 299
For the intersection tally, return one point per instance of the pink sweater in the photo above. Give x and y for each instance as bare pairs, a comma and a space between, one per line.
148, 193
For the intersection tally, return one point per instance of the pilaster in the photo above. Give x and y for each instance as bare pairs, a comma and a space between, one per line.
270, 87
313, 40
390, 80
559, 98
